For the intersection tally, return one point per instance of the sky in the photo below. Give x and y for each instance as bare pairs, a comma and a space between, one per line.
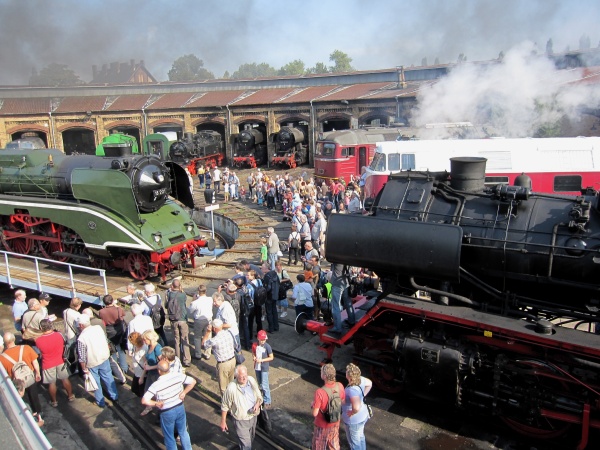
227, 33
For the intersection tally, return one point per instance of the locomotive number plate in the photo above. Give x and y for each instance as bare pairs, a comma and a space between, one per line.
157, 192
431, 356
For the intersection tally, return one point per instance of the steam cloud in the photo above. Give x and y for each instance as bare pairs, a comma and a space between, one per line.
514, 97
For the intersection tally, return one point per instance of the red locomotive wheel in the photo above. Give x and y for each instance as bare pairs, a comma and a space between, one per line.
384, 377
138, 266
48, 248
13, 243
539, 427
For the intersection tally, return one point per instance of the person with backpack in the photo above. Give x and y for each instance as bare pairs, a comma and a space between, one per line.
153, 307
52, 348
113, 317
327, 411
294, 245
21, 363
258, 293
177, 310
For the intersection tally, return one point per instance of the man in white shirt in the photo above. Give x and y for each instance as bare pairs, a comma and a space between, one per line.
201, 309
139, 323
217, 179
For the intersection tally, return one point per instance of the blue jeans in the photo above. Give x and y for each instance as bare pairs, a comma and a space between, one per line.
272, 260
122, 359
263, 381
272, 317
104, 373
339, 299
175, 419
356, 435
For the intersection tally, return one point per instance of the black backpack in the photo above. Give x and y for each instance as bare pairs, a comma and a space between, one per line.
333, 413
176, 313
284, 286
260, 295
247, 302
157, 312
295, 242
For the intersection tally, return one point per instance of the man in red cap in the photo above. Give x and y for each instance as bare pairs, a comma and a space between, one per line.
263, 355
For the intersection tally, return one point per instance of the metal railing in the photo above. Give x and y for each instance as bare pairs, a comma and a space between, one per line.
68, 280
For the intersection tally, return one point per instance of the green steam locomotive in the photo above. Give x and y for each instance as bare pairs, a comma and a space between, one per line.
107, 212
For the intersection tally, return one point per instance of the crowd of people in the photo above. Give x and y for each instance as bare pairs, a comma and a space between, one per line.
242, 313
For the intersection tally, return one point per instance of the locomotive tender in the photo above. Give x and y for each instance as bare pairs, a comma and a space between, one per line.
490, 295
112, 211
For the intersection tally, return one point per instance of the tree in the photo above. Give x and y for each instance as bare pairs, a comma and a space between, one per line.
226, 75
319, 68
342, 62
54, 75
295, 67
189, 68
254, 70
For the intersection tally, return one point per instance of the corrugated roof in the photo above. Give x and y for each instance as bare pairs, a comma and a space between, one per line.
12, 106
216, 98
411, 89
308, 94
354, 91
264, 96
79, 104
129, 102
171, 101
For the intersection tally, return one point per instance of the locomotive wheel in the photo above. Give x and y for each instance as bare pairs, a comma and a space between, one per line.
384, 377
138, 266
47, 248
540, 427
16, 244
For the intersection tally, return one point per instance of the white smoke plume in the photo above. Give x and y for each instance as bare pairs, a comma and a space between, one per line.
513, 97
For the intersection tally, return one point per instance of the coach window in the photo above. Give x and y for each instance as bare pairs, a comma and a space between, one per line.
378, 163
348, 151
567, 183
493, 181
394, 162
408, 161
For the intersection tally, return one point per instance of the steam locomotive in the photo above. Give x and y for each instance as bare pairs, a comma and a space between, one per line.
111, 211
193, 150
489, 297
291, 147
250, 148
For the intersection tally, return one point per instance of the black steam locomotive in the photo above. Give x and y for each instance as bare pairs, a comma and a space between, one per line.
250, 148
291, 147
490, 297
196, 147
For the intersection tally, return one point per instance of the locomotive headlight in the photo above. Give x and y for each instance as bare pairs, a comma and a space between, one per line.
158, 177
235, 154
157, 236
189, 226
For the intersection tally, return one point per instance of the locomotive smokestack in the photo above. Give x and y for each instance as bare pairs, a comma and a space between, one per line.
467, 173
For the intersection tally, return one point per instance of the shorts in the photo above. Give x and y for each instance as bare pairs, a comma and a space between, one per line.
59, 372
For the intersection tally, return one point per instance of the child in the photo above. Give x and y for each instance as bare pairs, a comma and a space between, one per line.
139, 359
263, 250
226, 191
308, 273
262, 356
243, 193
260, 196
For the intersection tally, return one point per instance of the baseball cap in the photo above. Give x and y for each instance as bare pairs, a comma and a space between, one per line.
44, 297
262, 334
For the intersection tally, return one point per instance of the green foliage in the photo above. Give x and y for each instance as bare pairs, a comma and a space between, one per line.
319, 68
55, 75
254, 71
189, 68
342, 62
226, 75
295, 67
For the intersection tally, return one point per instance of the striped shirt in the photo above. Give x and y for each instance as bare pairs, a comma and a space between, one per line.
167, 389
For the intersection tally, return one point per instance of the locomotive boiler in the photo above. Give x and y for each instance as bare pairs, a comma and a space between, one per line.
250, 148
290, 147
489, 299
112, 211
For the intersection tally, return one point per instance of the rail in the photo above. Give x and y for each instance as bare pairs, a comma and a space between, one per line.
26, 434
53, 277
